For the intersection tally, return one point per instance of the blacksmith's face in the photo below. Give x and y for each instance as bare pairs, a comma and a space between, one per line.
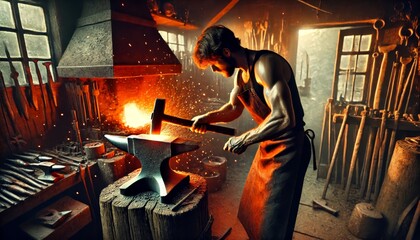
224, 65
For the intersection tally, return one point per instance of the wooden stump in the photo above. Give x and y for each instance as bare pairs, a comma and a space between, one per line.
401, 183
106, 198
144, 216
112, 168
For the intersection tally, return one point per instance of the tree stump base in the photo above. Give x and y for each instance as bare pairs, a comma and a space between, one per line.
144, 216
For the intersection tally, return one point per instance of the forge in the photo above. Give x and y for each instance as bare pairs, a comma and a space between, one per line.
154, 153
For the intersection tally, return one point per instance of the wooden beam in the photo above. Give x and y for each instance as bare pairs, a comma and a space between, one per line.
223, 12
314, 7
404, 125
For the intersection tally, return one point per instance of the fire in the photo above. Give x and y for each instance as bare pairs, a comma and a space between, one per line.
134, 117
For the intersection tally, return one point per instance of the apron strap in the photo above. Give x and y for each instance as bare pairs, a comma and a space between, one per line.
311, 135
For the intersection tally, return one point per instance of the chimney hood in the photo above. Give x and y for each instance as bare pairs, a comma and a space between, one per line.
116, 39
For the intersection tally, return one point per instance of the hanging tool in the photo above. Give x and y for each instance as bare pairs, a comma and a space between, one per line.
378, 91
17, 91
410, 81
44, 101
30, 91
76, 129
81, 100
392, 84
377, 25
86, 97
95, 93
5, 102
404, 61
49, 85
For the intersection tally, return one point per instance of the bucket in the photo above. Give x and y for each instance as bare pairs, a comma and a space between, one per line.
213, 179
216, 164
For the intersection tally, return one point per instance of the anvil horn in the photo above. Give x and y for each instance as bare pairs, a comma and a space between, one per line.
118, 141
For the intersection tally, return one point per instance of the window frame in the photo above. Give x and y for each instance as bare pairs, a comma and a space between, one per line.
24, 59
352, 32
165, 35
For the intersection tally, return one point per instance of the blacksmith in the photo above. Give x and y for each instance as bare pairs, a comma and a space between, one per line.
266, 87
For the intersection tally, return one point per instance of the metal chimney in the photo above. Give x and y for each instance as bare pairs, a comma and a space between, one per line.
116, 39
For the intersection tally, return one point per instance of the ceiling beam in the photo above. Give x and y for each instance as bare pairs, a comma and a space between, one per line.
223, 12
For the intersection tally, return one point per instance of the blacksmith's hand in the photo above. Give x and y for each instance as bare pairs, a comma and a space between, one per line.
235, 145
199, 124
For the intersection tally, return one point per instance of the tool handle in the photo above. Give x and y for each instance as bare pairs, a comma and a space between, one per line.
209, 127
324, 207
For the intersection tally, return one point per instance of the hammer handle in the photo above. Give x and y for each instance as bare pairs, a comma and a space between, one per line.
209, 127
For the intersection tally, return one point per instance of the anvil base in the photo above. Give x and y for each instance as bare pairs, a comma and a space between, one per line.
140, 183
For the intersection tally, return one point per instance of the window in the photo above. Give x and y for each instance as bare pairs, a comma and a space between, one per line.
175, 41
24, 34
351, 74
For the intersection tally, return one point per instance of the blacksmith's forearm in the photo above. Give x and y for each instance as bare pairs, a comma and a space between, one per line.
225, 114
273, 128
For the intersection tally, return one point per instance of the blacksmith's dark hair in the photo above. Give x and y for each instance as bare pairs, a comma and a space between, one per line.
211, 43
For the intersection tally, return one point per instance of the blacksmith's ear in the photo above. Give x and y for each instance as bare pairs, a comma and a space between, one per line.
226, 52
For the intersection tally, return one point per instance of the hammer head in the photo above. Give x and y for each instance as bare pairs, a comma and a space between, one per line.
157, 116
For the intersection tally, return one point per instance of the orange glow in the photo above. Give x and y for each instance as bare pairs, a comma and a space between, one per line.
134, 117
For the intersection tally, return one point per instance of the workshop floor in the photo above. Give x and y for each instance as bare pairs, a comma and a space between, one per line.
311, 223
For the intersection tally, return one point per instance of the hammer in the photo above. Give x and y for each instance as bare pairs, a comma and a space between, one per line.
158, 116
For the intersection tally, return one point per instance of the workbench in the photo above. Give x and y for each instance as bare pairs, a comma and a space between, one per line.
15, 214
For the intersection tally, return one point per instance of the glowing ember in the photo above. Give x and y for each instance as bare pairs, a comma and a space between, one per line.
133, 117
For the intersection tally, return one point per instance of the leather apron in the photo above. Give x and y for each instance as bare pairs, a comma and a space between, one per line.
276, 171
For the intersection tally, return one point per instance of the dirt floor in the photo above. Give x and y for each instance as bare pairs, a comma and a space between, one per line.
311, 223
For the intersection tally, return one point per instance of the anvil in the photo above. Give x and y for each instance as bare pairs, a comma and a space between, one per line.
154, 152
